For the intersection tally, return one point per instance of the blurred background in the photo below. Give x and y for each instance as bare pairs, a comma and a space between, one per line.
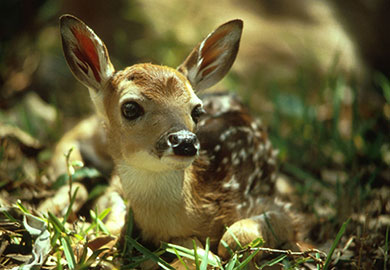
317, 72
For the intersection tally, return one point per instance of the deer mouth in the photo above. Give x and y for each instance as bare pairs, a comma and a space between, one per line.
178, 162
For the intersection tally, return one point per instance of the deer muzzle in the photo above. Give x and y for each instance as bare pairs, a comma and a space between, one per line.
179, 143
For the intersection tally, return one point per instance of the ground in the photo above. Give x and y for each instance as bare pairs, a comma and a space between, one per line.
331, 130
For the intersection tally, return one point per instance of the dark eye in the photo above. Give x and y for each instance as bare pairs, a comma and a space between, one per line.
197, 112
132, 110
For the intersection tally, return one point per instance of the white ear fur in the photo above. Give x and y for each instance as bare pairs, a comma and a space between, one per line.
85, 53
209, 62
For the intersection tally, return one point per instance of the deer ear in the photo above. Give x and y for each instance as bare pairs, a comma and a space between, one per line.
85, 53
209, 62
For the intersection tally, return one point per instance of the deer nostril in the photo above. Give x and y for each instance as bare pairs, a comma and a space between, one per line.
173, 139
183, 143
185, 149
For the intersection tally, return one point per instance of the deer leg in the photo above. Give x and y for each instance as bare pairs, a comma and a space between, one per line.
275, 228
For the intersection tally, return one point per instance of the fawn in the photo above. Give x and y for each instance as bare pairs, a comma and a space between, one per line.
189, 167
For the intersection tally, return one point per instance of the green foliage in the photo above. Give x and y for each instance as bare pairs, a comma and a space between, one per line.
334, 244
326, 132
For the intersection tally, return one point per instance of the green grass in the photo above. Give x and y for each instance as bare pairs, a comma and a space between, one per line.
334, 245
308, 145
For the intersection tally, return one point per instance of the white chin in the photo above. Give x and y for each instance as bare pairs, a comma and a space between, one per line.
169, 162
177, 162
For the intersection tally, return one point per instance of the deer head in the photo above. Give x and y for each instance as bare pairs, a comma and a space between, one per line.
149, 111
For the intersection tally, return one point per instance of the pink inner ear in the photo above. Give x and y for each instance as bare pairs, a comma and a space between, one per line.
212, 48
215, 37
86, 53
211, 56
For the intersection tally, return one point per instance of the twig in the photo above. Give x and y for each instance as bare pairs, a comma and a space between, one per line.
3, 246
69, 170
290, 253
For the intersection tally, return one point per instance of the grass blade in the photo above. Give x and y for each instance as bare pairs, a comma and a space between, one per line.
99, 223
335, 243
57, 224
83, 256
190, 253
68, 252
129, 231
318, 257
196, 254
163, 264
270, 227
59, 263
104, 213
274, 261
93, 258
182, 251
205, 259
69, 210
230, 251
180, 258
232, 263
21, 206
386, 256
247, 260
9, 216
235, 238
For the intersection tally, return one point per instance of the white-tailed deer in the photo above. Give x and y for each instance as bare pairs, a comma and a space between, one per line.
189, 167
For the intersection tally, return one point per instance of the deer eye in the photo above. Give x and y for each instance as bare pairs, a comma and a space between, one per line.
132, 110
197, 112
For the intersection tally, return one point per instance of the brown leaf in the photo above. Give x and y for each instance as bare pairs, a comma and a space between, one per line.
106, 241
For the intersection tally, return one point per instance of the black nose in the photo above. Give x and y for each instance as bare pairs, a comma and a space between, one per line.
183, 143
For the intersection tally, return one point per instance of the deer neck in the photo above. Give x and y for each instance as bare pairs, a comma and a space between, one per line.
153, 189
161, 202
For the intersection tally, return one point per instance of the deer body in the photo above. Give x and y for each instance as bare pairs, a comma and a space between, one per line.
185, 173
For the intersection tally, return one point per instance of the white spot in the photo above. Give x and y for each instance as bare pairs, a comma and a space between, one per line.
271, 161
232, 184
267, 145
234, 155
259, 152
256, 156
251, 205
243, 154
202, 152
259, 200
217, 148
227, 133
226, 104
201, 123
254, 125
256, 173
225, 160
236, 161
